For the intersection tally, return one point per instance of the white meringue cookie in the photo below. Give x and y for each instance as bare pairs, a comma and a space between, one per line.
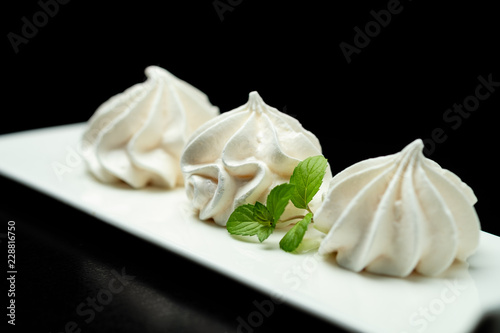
138, 136
398, 213
241, 155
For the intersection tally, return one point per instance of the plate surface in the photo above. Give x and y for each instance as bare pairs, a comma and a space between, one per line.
49, 161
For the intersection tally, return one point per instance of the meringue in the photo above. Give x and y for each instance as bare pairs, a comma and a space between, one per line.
239, 156
398, 213
137, 136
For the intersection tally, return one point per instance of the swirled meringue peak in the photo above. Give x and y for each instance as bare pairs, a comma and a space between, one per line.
241, 155
137, 136
399, 213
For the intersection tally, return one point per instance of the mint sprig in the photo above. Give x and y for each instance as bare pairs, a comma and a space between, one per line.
261, 220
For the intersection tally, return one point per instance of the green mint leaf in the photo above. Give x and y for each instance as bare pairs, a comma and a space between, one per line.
262, 215
264, 232
242, 221
277, 200
294, 236
307, 178
249, 220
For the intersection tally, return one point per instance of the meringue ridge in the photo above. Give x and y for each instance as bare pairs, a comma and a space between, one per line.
398, 213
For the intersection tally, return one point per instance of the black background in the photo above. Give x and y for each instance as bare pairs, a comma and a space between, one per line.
395, 90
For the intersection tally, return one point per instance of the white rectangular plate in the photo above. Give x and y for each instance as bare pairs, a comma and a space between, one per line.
49, 161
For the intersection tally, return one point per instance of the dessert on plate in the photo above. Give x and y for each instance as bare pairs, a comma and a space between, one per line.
137, 136
398, 213
239, 156
390, 215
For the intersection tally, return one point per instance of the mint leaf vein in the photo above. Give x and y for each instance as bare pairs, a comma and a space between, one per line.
307, 178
